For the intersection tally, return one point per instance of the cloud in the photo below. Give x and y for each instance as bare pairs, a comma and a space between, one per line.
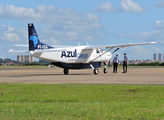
106, 7
156, 50
54, 41
46, 14
52, 33
71, 32
64, 24
159, 4
137, 52
142, 51
157, 36
130, 6
8, 34
158, 24
126, 6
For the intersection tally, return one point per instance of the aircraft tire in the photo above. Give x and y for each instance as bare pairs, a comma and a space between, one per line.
105, 70
96, 71
66, 71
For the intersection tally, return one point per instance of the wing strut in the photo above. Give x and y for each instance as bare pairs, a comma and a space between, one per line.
115, 50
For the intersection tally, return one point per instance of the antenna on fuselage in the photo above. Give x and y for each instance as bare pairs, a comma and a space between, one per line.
87, 44
78, 43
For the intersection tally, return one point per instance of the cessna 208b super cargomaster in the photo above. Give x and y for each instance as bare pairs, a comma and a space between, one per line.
73, 57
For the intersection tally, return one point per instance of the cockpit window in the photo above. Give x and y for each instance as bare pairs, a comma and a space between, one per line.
97, 51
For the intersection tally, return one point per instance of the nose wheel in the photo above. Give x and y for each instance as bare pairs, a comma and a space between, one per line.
105, 70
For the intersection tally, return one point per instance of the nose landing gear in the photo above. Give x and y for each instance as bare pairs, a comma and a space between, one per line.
96, 71
105, 69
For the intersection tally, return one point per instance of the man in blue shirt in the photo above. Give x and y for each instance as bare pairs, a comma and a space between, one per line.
125, 63
115, 63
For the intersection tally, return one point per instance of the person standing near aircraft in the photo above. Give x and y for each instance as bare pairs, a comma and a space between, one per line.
115, 63
125, 63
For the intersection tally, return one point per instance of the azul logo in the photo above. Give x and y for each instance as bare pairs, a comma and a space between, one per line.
69, 53
82, 55
34, 38
73, 54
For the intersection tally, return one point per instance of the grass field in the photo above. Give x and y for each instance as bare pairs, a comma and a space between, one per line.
81, 101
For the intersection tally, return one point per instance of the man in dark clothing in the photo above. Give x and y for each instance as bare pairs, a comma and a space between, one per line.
115, 63
125, 63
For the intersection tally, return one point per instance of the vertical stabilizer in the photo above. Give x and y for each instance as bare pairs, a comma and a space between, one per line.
34, 42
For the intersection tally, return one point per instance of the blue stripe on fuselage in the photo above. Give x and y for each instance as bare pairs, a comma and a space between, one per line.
77, 65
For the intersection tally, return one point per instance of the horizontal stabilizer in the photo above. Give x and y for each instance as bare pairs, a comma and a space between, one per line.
18, 51
55, 46
21, 45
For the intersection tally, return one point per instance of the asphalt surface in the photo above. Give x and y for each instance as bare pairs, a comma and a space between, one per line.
86, 76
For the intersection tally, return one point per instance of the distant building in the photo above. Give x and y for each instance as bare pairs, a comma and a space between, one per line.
25, 58
154, 57
22, 58
19, 58
159, 57
32, 58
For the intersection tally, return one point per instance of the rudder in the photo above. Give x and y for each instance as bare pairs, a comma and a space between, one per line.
34, 42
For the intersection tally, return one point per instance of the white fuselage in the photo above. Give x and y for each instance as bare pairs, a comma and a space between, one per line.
73, 55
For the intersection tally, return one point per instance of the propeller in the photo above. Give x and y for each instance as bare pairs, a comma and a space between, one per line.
108, 62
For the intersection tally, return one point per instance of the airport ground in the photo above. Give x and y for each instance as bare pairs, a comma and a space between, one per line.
94, 98
135, 75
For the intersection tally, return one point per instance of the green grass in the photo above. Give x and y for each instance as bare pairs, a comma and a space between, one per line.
81, 101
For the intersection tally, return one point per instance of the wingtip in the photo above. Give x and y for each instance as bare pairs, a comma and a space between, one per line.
153, 42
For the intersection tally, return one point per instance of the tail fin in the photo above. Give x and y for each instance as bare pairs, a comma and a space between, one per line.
33, 38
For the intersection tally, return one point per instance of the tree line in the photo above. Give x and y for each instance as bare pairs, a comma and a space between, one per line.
148, 64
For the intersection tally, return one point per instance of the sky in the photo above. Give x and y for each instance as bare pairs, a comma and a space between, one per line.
98, 22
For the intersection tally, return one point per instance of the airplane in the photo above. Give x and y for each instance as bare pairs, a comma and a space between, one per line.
72, 57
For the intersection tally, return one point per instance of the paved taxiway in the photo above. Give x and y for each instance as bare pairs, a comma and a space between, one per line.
55, 75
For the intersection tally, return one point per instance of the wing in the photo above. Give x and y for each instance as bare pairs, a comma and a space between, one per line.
109, 47
116, 45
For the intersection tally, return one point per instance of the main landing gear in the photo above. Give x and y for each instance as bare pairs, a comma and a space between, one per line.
96, 71
66, 71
